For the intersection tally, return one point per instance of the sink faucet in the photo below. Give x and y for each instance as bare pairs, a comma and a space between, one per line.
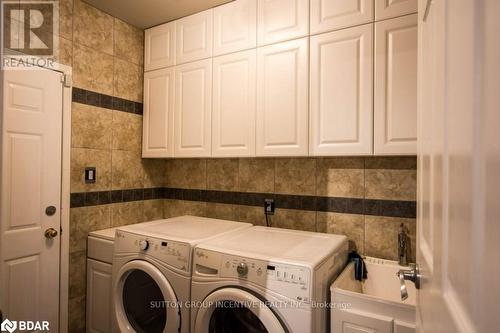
402, 246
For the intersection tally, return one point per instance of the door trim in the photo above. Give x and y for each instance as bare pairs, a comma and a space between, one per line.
66, 84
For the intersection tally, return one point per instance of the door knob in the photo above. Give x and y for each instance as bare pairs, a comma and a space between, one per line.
50, 233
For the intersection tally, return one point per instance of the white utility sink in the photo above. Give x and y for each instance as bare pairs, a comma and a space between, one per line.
374, 304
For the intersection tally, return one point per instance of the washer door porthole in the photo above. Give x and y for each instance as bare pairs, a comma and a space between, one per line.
144, 300
236, 310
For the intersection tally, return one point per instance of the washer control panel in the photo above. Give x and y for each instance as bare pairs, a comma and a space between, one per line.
289, 280
172, 253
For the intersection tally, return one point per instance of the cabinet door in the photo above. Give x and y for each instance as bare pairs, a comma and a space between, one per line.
193, 108
282, 99
159, 48
353, 321
342, 92
98, 297
194, 37
280, 20
233, 119
385, 9
157, 131
396, 86
327, 15
235, 26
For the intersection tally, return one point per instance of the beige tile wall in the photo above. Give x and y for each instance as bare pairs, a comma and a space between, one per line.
107, 57
387, 178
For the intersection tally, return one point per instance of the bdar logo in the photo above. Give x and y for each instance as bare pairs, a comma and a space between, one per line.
8, 326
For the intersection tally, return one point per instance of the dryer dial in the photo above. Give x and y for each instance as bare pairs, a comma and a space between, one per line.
242, 269
143, 245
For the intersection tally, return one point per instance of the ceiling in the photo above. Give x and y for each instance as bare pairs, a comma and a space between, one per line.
148, 13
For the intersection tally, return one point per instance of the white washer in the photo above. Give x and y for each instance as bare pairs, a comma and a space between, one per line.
265, 280
152, 272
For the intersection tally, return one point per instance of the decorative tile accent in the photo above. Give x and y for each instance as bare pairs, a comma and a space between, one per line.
106, 101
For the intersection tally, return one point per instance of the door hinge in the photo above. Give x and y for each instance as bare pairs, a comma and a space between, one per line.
66, 80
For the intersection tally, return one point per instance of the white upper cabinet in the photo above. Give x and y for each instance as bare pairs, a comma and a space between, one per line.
282, 99
159, 48
385, 9
396, 86
342, 92
157, 134
233, 117
194, 37
235, 26
281, 20
193, 109
328, 15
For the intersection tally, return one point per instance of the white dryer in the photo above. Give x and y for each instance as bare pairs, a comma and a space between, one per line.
152, 272
265, 280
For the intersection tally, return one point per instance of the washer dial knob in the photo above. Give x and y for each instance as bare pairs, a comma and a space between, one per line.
242, 269
143, 244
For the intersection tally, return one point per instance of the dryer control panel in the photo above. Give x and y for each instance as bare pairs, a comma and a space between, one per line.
292, 281
172, 253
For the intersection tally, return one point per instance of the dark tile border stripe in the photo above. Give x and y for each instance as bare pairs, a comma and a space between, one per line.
390, 208
106, 101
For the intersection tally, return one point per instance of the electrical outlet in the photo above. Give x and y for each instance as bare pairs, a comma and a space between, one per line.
269, 206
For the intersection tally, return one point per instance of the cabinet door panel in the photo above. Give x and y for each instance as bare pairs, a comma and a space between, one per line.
194, 37
327, 15
385, 9
193, 108
159, 48
396, 86
99, 286
281, 20
282, 99
235, 27
157, 133
342, 92
233, 131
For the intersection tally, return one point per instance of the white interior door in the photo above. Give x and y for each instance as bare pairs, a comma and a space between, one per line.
30, 182
459, 183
